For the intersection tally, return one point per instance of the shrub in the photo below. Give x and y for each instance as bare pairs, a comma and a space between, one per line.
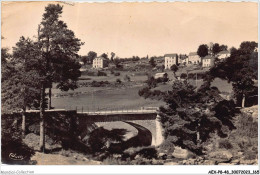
117, 74
145, 92
99, 84
100, 73
118, 81
127, 78
167, 145
88, 73
148, 153
151, 82
144, 152
225, 143
183, 76
250, 155
13, 150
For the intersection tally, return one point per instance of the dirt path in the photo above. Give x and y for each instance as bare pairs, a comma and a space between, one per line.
56, 159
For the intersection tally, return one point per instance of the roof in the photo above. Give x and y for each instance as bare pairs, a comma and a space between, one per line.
224, 52
183, 56
193, 53
208, 57
100, 58
170, 55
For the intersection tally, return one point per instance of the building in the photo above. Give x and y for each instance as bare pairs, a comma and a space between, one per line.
194, 58
81, 63
100, 62
183, 59
208, 61
223, 54
170, 59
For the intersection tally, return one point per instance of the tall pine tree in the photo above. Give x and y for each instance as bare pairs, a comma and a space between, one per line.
59, 56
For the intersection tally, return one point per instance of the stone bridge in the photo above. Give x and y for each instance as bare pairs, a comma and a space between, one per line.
146, 121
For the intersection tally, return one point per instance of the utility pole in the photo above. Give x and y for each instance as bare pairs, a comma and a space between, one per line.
196, 82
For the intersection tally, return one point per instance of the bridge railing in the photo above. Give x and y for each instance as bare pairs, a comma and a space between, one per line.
100, 110
120, 112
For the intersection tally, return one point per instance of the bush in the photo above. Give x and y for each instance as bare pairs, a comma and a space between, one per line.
163, 79
183, 76
13, 150
167, 145
88, 73
127, 78
144, 92
151, 82
100, 73
225, 143
148, 153
143, 152
99, 84
117, 74
118, 81
250, 155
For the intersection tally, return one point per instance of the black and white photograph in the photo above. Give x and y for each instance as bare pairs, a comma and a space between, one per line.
129, 83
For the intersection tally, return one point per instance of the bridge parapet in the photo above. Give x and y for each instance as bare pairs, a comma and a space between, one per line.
142, 111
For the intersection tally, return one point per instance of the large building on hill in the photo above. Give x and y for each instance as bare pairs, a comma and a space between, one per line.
223, 54
183, 59
170, 59
208, 61
194, 58
100, 63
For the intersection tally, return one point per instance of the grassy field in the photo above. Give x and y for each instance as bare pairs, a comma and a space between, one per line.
112, 99
124, 97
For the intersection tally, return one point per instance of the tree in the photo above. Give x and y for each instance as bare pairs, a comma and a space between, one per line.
104, 55
59, 54
117, 62
223, 47
174, 68
152, 62
248, 47
237, 69
91, 56
189, 116
6, 68
215, 49
203, 50
151, 82
162, 68
84, 59
20, 79
112, 56
25, 57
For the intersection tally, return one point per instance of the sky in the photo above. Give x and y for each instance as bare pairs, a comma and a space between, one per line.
139, 29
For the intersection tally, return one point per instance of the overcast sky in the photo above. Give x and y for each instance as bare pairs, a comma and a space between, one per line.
140, 28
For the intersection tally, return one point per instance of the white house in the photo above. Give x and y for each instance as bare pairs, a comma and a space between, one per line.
170, 59
208, 61
194, 58
223, 54
100, 62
